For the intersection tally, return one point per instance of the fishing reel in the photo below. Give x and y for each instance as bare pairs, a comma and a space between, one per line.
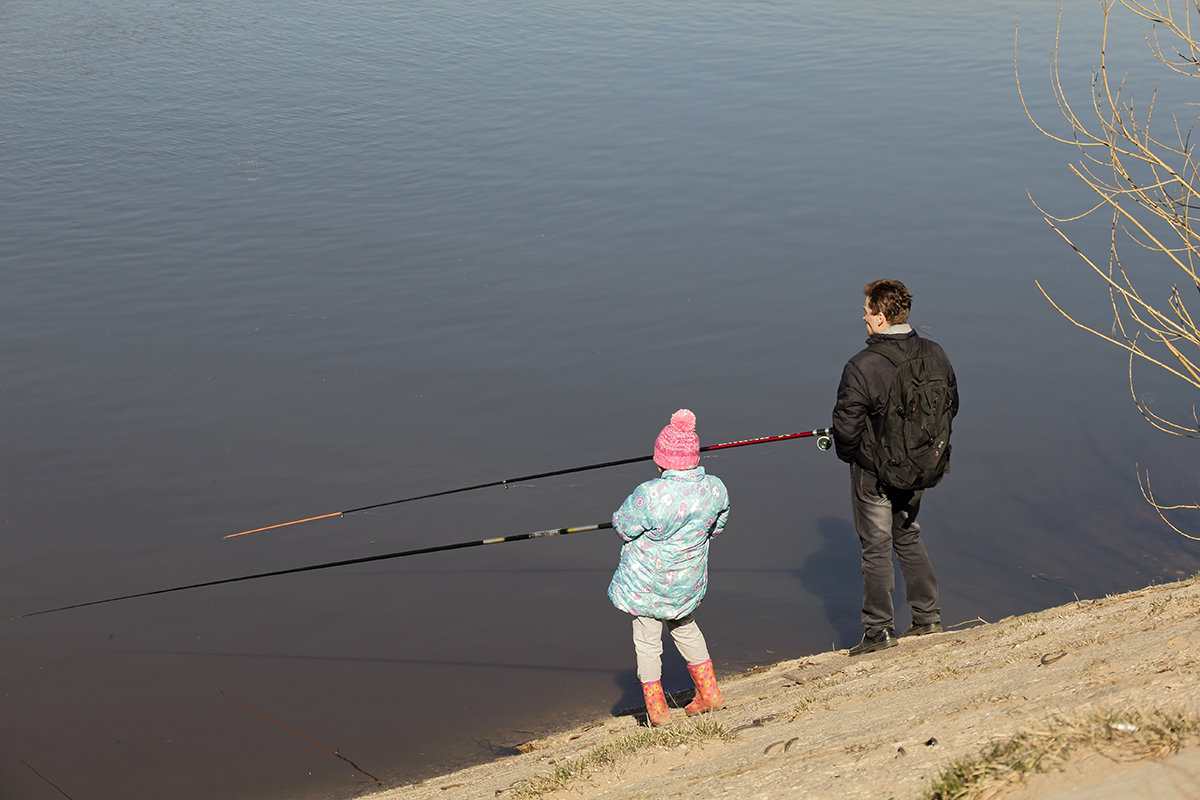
825, 440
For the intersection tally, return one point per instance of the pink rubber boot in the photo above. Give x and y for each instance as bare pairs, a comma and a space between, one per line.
708, 696
657, 711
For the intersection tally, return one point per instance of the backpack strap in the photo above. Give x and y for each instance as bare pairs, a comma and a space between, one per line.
894, 353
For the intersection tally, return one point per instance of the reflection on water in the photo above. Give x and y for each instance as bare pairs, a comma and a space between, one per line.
271, 262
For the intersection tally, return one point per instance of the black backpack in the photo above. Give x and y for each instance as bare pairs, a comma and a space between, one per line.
912, 447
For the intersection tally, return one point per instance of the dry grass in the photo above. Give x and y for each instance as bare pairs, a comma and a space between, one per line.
610, 754
1122, 736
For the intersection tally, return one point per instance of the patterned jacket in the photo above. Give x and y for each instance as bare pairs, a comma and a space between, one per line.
666, 525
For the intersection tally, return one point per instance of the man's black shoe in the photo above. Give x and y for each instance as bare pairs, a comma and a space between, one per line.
922, 630
874, 641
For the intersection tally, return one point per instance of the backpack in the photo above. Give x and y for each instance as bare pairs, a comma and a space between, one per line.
912, 447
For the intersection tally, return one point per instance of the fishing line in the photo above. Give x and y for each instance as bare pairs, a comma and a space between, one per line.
330, 564
309, 739
43, 777
824, 441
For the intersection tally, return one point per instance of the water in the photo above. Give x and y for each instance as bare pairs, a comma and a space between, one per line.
264, 261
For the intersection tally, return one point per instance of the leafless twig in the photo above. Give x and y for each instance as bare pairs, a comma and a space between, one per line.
1150, 185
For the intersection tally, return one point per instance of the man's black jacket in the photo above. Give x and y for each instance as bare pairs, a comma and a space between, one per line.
863, 391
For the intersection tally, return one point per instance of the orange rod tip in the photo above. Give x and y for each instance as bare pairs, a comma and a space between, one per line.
284, 524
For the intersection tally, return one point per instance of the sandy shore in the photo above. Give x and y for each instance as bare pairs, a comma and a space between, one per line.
884, 724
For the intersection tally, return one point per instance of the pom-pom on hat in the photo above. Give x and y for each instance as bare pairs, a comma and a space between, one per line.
678, 446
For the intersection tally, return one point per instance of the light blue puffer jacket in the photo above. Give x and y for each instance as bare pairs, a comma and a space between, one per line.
666, 525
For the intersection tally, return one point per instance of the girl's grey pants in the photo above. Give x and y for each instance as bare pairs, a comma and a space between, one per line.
647, 642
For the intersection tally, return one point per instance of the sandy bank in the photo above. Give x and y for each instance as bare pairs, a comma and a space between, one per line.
882, 725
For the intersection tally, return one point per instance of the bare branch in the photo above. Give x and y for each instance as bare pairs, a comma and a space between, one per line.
1151, 187
1149, 495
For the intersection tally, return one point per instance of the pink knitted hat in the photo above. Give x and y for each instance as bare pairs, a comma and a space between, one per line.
678, 446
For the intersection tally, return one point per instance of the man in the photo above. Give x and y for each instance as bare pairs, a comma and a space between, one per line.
884, 516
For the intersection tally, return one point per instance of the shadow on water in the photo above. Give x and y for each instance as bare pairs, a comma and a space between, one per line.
831, 574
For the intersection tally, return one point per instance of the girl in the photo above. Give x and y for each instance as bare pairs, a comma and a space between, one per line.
666, 525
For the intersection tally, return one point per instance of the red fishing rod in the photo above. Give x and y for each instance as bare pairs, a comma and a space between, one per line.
823, 437
330, 564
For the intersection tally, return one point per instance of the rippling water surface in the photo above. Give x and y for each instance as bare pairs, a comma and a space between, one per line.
265, 261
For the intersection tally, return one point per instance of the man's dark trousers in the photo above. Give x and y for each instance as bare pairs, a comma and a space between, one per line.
886, 523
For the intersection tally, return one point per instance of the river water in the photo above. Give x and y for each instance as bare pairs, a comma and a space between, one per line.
265, 261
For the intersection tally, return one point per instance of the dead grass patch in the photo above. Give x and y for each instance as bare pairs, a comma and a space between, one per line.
609, 754
1120, 735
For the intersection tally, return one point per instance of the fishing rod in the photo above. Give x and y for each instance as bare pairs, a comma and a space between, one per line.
330, 564
823, 436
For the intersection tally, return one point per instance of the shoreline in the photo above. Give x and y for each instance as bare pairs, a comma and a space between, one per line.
884, 724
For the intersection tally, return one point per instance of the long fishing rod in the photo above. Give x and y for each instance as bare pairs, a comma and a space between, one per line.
330, 564
824, 441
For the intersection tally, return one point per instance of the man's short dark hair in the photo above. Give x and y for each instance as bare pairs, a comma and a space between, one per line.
890, 298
